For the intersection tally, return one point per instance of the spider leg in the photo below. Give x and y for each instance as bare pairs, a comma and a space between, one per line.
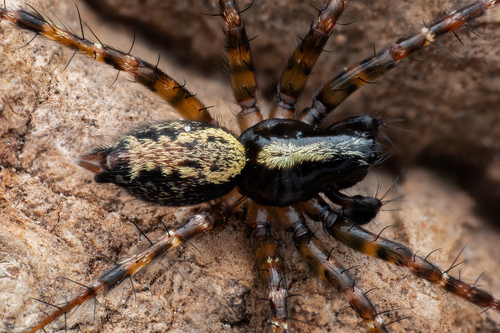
302, 61
206, 221
358, 209
327, 267
265, 247
150, 76
361, 240
364, 123
241, 65
348, 81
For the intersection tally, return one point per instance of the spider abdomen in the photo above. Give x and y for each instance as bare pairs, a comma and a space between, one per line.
172, 163
289, 161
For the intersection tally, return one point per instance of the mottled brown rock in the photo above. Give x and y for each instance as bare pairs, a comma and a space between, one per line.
56, 221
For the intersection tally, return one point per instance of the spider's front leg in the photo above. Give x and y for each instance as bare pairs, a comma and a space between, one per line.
351, 79
359, 239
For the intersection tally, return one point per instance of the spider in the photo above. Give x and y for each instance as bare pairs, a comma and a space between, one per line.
62, 192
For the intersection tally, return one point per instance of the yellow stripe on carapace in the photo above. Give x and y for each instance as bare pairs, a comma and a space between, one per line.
284, 154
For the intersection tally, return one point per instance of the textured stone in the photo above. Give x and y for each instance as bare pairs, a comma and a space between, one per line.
56, 221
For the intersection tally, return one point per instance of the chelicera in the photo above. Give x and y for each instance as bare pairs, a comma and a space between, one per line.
281, 162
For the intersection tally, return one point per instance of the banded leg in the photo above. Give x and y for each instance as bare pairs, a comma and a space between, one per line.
241, 65
301, 63
348, 81
361, 240
207, 221
328, 268
150, 76
265, 247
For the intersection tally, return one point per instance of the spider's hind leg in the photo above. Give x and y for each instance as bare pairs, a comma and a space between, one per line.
206, 221
150, 76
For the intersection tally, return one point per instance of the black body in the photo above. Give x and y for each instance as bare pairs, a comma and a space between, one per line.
304, 160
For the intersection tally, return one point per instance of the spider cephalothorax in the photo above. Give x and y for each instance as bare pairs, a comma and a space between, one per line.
281, 162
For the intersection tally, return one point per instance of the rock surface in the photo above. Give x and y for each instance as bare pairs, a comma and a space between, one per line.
56, 222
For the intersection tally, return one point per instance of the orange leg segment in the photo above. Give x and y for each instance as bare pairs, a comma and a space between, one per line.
343, 85
240, 64
328, 268
363, 241
303, 59
183, 101
207, 221
265, 246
